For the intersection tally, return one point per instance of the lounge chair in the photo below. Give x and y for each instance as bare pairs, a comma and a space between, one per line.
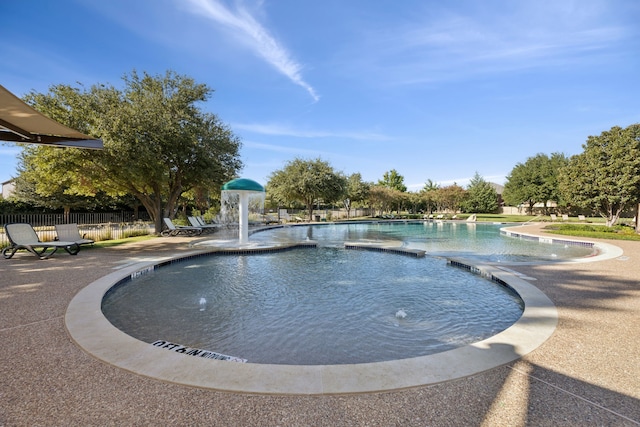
23, 236
71, 233
179, 230
554, 217
581, 218
198, 222
565, 217
268, 219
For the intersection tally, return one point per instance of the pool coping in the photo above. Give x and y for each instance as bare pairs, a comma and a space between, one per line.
91, 331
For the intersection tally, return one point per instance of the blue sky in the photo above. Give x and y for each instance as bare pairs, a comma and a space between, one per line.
435, 90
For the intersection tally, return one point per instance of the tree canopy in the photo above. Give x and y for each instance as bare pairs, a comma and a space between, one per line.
535, 181
392, 179
157, 143
356, 190
306, 181
606, 175
481, 197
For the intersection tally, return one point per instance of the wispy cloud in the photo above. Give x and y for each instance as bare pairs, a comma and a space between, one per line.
283, 149
444, 45
256, 37
279, 130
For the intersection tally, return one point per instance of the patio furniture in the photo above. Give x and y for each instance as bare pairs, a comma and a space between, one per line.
268, 219
178, 230
71, 233
22, 236
198, 222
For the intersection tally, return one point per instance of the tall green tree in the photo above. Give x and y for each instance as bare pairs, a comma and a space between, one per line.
392, 179
450, 198
382, 198
356, 191
428, 195
158, 143
481, 196
535, 181
606, 175
306, 181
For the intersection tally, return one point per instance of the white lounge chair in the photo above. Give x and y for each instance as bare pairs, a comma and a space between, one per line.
23, 236
177, 230
71, 233
554, 217
198, 222
268, 219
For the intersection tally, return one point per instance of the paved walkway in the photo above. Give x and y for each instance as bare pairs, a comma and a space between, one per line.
587, 373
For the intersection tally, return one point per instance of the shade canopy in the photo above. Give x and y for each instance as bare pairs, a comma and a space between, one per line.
243, 184
19, 122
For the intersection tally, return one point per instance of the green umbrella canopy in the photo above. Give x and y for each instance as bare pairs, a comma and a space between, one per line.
243, 184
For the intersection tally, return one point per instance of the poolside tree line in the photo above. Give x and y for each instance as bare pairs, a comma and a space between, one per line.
159, 146
604, 179
313, 181
162, 152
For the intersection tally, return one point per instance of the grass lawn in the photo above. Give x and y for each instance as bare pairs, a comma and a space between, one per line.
109, 243
596, 231
594, 227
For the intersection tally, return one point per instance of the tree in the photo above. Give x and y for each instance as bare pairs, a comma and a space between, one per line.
356, 191
382, 198
392, 179
450, 198
306, 181
428, 195
535, 181
481, 196
606, 175
157, 143
41, 184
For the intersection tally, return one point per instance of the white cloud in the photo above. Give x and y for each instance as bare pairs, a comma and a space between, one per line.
279, 130
281, 148
443, 45
256, 37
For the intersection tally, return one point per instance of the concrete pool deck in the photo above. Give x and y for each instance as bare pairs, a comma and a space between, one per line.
585, 374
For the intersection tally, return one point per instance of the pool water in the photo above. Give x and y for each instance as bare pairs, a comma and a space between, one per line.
329, 305
479, 241
313, 306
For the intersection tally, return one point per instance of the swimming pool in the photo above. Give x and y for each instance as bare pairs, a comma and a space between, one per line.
330, 305
478, 241
314, 306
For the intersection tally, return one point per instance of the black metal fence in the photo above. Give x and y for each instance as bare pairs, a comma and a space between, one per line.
96, 226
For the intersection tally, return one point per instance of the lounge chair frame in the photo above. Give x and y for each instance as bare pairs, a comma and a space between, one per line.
22, 236
71, 233
177, 230
198, 222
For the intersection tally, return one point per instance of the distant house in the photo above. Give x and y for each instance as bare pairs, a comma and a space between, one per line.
8, 187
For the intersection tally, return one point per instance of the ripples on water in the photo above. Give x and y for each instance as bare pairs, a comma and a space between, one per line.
327, 305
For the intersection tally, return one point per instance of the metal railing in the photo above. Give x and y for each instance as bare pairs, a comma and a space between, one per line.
95, 226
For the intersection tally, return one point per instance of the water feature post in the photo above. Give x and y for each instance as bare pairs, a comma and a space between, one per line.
243, 221
243, 188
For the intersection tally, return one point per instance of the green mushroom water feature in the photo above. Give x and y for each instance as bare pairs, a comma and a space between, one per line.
245, 190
